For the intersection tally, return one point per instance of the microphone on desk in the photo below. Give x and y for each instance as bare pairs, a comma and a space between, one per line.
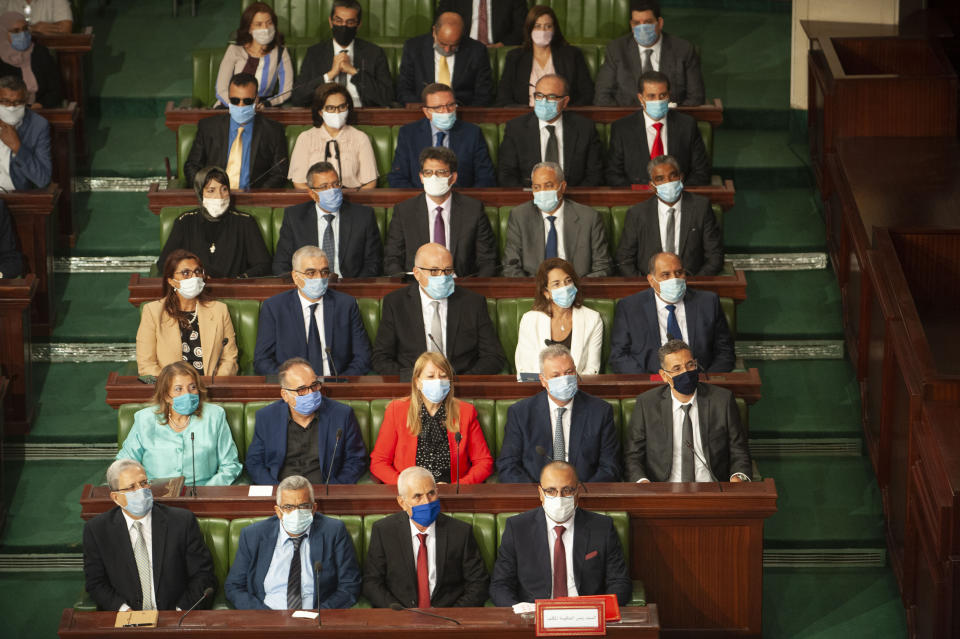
207, 592
213, 373
333, 365
317, 565
259, 177
457, 437
193, 455
690, 445
333, 457
396, 606
456, 379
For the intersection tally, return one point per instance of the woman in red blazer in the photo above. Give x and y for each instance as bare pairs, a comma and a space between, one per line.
421, 430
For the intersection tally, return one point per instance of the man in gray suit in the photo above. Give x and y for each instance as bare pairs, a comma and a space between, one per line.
551, 226
686, 431
648, 48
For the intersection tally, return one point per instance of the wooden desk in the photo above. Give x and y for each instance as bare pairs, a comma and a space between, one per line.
494, 196
31, 211
71, 48
126, 389
145, 289
16, 296
4, 386
63, 153
476, 623
697, 547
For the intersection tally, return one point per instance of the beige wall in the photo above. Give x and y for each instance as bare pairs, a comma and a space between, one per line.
871, 11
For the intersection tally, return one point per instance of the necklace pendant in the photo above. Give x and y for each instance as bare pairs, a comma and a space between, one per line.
213, 247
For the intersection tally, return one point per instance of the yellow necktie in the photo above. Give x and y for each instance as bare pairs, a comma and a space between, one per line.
443, 71
235, 159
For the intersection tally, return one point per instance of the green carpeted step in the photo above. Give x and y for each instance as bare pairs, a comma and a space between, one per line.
761, 159
842, 603
72, 405
129, 146
790, 305
784, 220
31, 603
806, 398
93, 307
824, 501
115, 224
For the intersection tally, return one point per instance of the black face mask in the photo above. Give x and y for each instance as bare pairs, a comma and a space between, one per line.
344, 35
686, 383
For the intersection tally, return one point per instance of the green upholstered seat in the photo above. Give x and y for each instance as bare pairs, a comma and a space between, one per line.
706, 132
509, 312
619, 216
484, 532
206, 65
377, 408
370, 315
383, 20
361, 410
216, 535
605, 307
234, 415
493, 216
354, 524
262, 214
500, 411
186, 134
368, 522
730, 311
591, 20
491, 135
125, 415
245, 314
250, 421
488, 420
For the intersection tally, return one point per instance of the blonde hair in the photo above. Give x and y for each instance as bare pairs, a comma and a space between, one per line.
161, 392
450, 403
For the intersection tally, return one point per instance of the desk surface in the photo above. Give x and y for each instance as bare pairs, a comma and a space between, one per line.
499, 623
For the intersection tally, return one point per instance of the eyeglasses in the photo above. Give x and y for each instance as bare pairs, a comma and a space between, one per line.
245, 101
437, 271
336, 108
442, 108
185, 273
289, 508
303, 390
137, 486
13, 103
311, 273
689, 366
549, 97
566, 491
438, 172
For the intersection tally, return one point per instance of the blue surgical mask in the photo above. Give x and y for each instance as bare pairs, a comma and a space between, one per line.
435, 389
545, 109
139, 502
20, 41
546, 201
330, 199
297, 522
439, 287
309, 403
241, 114
672, 291
645, 34
186, 404
657, 109
686, 383
563, 387
670, 191
564, 296
425, 514
316, 287
444, 121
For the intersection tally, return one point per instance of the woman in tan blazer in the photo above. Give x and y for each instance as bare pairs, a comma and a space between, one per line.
186, 324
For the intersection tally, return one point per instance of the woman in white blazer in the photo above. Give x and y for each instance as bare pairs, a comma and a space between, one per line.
558, 316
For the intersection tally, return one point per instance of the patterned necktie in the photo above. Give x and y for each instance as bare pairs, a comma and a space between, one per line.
235, 160
551, 248
436, 330
423, 574
294, 595
144, 568
482, 23
439, 229
669, 241
673, 326
559, 564
657, 149
647, 61
559, 451
687, 472
328, 245
553, 149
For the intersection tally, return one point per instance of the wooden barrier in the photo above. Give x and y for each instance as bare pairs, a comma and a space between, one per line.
16, 297
63, 154
71, 48
4, 387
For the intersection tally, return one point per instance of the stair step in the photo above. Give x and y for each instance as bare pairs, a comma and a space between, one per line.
790, 305
72, 406
115, 224
784, 220
790, 349
94, 307
32, 603
825, 558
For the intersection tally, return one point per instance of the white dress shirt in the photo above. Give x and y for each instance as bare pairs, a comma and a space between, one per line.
702, 473
426, 304
655, 57
558, 223
146, 523
662, 208
436, 65
565, 426
6, 182
278, 575
351, 89
652, 132
322, 228
431, 533
567, 549
305, 306
475, 21
663, 314
445, 212
545, 135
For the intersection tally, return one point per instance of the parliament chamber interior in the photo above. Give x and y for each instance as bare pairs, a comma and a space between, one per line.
808, 290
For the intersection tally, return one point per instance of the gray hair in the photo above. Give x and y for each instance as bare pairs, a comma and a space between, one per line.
290, 363
13, 83
671, 347
304, 252
662, 159
117, 468
409, 474
553, 166
294, 482
553, 351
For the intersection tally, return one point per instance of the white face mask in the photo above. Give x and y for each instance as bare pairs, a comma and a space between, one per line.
215, 206
436, 186
263, 37
335, 120
558, 508
13, 115
191, 287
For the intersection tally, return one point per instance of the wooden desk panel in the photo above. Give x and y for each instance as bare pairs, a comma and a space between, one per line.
31, 211
63, 152
16, 296
71, 48
4, 386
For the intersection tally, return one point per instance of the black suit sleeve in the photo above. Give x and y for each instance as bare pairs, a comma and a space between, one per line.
98, 584
375, 573
737, 441
387, 343
372, 250
197, 158
311, 76
509, 172
629, 244
276, 176
258, 259
475, 580
11, 262
199, 566
286, 246
581, 86
712, 239
516, 19
617, 577
699, 172
406, 78
49, 92
616, 171
360, 360
177, 239
490, 359
696, 95
635, 455
373, 80
505, 95
593, 175
608, 468
486, 247
483, 81
394, 250
723, 350
503, 584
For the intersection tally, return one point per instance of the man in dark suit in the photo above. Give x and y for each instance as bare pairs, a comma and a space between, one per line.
550, 134
27, 137
358, 65
264, 573
449, 218
648, 48
686, 431
448, 56
409, 546
653, 131
560, 423
11, 261
312, 321
251, 147
673, 222
500, 25
434, 314
441, 128
669, 310
298, 434
347, 232
141, 555
587, 541
553, 226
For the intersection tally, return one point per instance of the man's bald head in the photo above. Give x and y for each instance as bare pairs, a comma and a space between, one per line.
431, 259
448, 31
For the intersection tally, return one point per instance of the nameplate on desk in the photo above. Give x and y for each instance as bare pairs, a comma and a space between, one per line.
260, 491
571, 617
137, 619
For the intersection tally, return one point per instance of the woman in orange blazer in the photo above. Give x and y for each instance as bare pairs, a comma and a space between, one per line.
421, 430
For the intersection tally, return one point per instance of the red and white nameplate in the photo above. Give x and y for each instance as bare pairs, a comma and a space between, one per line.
571, 617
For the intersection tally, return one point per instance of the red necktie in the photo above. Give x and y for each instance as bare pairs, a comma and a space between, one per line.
482, 22
423, 574
559, 564
657, 149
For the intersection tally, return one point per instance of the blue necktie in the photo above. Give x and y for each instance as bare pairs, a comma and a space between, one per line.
440, 137
551, 250
314, 345
673, 326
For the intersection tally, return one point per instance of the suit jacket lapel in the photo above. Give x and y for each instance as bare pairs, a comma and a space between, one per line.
122, 538
296, 316
407, 559
258, 125
634, 63
208, 332
346, 230
453, 322
265, 553
159, 534
581, 538
541, 548
569, 141
421, 221
666, 420
571, 230
442, 532
686, 224
690, 311
542, 429
577, 419
329, 313
703, 413
456, 227
414, 319
641, 140
311, 221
